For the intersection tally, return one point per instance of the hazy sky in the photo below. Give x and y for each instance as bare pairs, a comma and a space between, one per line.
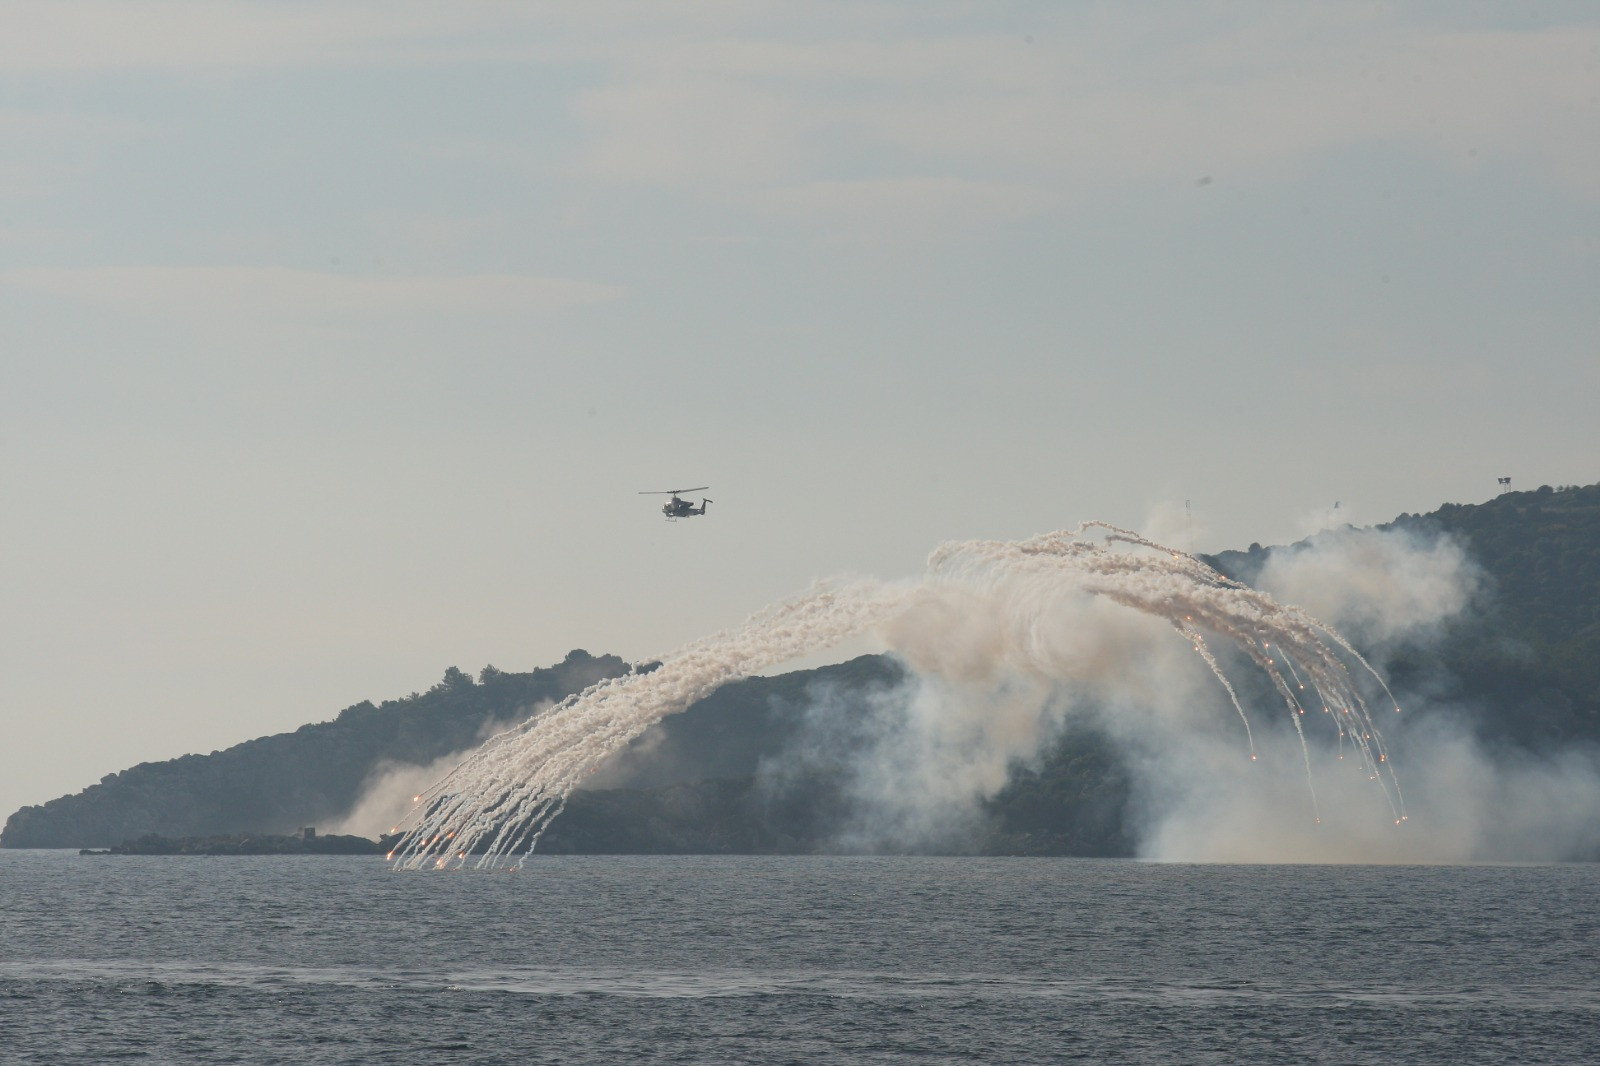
336, 339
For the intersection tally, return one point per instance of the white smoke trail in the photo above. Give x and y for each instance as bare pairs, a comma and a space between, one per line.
498, 802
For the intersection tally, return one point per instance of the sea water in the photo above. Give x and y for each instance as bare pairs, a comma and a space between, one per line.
793, 959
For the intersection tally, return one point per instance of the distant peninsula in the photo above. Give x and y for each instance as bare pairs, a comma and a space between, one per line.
1523, 667
277, 784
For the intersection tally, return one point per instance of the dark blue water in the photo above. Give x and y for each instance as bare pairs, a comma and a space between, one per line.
804, 960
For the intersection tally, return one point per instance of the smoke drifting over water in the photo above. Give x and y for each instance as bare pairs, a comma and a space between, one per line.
1013, 618
1465, 806
389, 794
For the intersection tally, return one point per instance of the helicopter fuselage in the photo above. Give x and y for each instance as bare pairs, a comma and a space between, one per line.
677, 508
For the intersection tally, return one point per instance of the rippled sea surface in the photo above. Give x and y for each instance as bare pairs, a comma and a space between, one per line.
793, 959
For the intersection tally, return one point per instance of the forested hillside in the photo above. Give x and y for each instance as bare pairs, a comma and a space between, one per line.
1525, 661
279, 783
1529, 664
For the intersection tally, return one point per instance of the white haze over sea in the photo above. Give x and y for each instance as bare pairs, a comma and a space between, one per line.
999, 668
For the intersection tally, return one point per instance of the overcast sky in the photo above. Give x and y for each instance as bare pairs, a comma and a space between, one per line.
337, 339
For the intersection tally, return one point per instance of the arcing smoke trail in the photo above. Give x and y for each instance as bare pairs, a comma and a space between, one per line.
498, 802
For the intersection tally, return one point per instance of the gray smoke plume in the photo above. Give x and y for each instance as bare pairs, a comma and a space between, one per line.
1379, 587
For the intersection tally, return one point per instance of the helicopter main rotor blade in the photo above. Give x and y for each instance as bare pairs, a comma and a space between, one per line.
673, 492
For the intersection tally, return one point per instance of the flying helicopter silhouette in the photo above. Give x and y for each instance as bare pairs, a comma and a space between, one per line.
676, 508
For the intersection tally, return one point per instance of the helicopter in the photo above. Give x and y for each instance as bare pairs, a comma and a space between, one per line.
675, 508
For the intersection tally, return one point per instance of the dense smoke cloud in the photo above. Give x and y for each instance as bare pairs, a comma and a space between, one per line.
1465, 804
1378, 587
917, 760
1000, 671
1008, 640
996, 677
